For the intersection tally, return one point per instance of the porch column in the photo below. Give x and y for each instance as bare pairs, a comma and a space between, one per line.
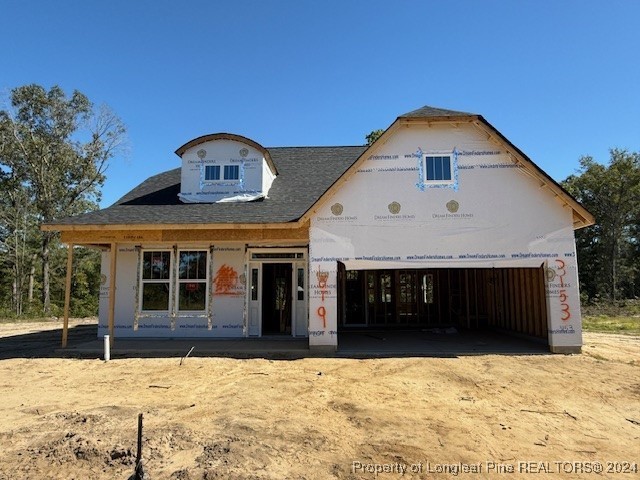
323, 307
67, 296
112, 290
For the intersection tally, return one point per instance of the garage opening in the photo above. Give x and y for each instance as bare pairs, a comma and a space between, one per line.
510, 299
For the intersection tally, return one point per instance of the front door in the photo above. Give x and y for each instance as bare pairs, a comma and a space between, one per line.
276, 298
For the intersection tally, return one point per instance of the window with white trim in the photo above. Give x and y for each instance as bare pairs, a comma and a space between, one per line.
438, 169
155, 281
220, 173
192, 280
232, 172
211, 172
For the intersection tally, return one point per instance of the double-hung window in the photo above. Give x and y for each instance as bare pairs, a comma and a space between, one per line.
212, 172
220, 173
162, 293
232, 172
192, 280
438, 169
156, 281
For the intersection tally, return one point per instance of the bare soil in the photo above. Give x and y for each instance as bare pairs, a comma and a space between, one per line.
322, 418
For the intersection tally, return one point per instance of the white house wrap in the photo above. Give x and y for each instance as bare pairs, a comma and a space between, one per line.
441, 222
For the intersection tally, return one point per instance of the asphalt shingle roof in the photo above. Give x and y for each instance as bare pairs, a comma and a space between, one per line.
427, 111
305, 173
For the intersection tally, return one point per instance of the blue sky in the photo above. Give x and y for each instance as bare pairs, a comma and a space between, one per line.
560, 79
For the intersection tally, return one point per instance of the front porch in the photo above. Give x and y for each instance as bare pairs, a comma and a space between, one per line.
369, 344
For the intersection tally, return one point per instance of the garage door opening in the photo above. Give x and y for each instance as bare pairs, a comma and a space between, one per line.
510, 299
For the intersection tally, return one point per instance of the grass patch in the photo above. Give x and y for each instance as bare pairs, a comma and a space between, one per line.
628, 325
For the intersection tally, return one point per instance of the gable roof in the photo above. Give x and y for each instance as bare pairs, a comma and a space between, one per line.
431, 112
427, 114
308, 176
305, 173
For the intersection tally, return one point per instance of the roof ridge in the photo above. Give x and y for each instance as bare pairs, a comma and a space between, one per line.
429, 111
319, 146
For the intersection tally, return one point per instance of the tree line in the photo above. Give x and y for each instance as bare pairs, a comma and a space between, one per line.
609, 251
55, 148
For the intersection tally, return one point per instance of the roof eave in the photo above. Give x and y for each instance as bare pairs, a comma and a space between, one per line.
382, 139
228, 136
62, 227
582, 217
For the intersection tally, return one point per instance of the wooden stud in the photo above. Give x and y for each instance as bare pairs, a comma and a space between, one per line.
543, 303
186, 235
527, 301
523, 300
534, 301
516, 301
466, 296
518, 293
67, 296
537, 301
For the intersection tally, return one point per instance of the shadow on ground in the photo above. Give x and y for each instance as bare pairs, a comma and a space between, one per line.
45, 343
83, 342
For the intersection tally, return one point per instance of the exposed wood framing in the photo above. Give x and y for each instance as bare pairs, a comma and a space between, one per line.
171, 226
245, 235
516, 300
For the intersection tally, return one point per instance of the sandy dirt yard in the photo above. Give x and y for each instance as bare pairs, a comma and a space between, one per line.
486, 416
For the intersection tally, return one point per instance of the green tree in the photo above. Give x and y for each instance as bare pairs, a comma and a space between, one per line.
57, 148
18, 243
608, 252
373, 136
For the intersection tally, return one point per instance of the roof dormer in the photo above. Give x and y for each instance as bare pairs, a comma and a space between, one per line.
224, 167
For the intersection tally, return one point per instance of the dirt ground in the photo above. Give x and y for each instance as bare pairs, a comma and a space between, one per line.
486, 416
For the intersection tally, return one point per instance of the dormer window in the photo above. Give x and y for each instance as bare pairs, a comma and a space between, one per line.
231, 172
212, 172
223, 168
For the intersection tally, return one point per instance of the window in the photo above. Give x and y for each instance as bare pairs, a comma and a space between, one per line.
212, 172
160, 281
192, 280
231, 172
156, 280
437, 169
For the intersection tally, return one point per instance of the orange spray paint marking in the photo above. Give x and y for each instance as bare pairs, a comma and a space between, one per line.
322, 313
564, 307
226, 281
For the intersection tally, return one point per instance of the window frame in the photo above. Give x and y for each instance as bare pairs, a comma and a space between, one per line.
222, 170
178, 281
228, 167
434, 181
213, 167
144, 281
